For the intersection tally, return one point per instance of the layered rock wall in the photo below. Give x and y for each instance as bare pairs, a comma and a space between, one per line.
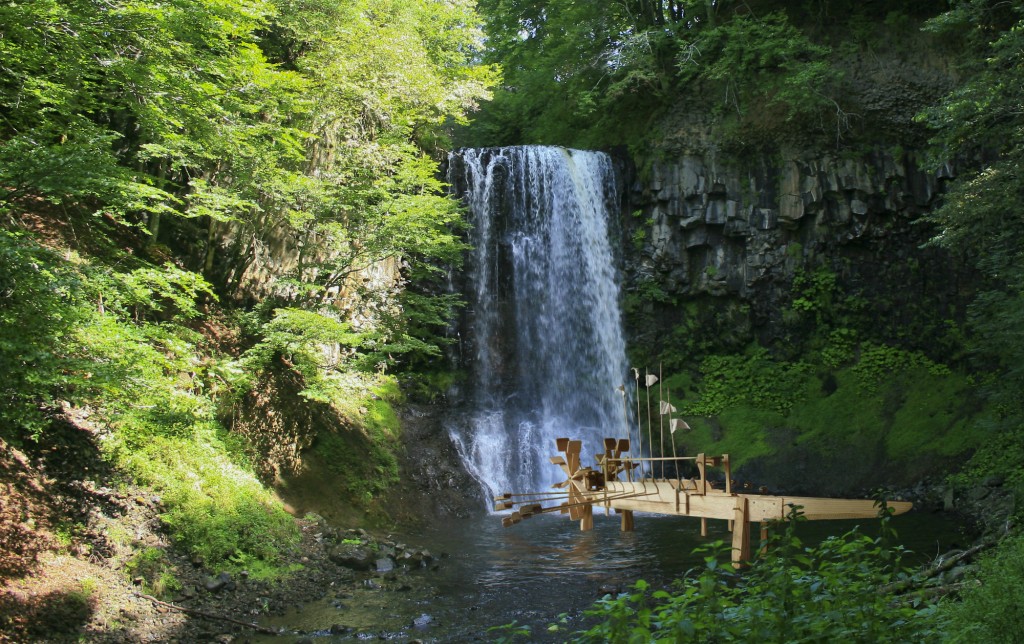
739, 231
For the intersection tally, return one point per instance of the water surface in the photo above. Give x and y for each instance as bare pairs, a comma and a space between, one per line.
541, 571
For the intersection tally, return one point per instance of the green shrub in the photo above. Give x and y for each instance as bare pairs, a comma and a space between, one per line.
879, 364
156, 571
753, 378
993, 609
831, 592
365, 459
40, 307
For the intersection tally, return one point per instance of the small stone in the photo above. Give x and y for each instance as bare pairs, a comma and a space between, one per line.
422, 621
995, 480
222, 582
978, 493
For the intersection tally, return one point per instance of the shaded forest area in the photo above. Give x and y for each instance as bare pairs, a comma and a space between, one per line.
211, 212
216, 207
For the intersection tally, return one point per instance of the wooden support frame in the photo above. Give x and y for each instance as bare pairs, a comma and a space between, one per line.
695, 497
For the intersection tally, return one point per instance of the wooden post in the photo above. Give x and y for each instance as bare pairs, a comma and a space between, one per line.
703, 526
741, 532
627, 520
764, 538
702, 488
587, 520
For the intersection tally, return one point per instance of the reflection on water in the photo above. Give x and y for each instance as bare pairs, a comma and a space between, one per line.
540, 569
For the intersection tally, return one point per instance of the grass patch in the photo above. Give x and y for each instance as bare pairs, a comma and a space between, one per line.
847, 413
157, 573
738, 432
990, 611
214, 508
930, 419
364, 456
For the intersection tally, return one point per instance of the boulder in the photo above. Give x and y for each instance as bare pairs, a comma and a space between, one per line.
352, 556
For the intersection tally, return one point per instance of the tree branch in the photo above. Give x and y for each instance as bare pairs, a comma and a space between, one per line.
206, 615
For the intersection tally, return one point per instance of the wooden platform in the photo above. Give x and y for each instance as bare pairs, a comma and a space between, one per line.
681, 499
586, 488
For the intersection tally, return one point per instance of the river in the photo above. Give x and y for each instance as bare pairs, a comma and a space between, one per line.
537, 571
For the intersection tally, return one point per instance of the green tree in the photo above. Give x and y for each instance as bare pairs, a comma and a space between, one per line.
981, 124
598, 74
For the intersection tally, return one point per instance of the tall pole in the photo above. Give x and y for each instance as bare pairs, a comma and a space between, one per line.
639, 431
672, 438
661, 423
650, 439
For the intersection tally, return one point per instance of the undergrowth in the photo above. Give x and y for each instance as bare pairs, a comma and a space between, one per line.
847, 394
990, 610
120, 337
831, 592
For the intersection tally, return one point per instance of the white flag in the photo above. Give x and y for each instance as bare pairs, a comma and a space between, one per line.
677, 423
651, 379
667, 408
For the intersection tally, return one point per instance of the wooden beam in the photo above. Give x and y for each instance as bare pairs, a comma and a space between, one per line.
741, 532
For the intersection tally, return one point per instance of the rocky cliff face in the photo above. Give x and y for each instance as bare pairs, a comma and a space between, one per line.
734, 234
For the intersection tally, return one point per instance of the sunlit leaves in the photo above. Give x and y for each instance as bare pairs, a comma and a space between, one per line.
794, 593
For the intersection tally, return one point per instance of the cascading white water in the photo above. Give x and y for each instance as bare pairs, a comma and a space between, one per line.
542, 332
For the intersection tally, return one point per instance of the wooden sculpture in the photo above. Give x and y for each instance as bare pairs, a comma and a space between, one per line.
641, 491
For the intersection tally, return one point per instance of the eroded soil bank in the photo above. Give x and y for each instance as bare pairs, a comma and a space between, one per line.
75, 538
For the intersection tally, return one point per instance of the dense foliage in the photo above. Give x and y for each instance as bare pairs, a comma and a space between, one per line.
981, 122
305, 122
607, 73
117, 342
793, 593
168, 152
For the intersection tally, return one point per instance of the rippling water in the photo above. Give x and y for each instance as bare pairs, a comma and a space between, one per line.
538, 570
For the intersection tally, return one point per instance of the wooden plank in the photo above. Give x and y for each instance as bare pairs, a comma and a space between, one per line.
827, 509
659, 496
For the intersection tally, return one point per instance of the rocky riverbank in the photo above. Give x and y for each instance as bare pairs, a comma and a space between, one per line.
85, 558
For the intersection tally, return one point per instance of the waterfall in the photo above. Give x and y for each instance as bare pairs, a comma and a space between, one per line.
542, 332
